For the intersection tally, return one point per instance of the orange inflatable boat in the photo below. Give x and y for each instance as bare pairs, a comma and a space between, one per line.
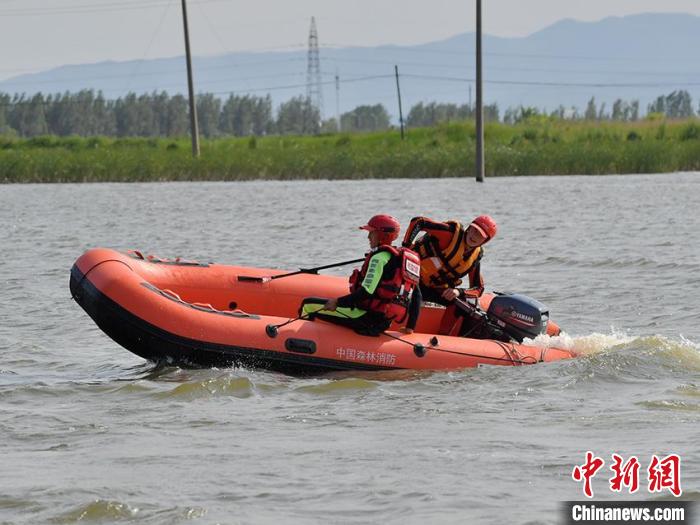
203, 314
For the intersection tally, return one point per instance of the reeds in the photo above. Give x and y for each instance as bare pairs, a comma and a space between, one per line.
540, 146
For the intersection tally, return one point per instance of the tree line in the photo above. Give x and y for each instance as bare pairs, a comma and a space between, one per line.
677, 105
87, 113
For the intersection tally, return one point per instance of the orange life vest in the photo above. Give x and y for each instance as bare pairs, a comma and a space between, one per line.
393, 293
444, 268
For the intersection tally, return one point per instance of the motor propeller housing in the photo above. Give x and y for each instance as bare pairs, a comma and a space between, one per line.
518, 316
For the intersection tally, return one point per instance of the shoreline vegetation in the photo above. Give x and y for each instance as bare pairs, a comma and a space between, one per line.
537, 146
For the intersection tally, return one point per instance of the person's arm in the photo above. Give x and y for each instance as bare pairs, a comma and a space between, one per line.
372, 278
476, 284
423, 224
476, 281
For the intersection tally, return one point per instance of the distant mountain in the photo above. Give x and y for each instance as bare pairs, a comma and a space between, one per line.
632, 57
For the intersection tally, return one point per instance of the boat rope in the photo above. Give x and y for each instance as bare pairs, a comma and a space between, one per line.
420, 349
510, 359
272, 329
510, 349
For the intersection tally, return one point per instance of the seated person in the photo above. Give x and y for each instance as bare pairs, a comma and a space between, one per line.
381, 291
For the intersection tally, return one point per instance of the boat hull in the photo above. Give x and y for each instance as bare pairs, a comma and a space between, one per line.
201, 315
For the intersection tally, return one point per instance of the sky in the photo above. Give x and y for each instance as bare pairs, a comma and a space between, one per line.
36, 35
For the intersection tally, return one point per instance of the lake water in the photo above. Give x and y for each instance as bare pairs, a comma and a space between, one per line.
92, 433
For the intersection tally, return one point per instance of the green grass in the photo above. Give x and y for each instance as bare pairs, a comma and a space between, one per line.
540, 146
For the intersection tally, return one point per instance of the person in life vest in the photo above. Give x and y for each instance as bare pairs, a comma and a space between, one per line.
449, 252
381, 291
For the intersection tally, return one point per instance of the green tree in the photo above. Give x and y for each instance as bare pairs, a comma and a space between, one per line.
159, 103
519, 114
298, 116
678, 104
601, 112
658, 106
330, 125
618, 112
5, 101
634, 111
491, 112
126, 115
105, 123
263, 122
624, 111
208, 111
246, 115
146, 124
433, 113
27, 116
591, 111
365, 118
559, 113
177, 122
85, 120
429, 114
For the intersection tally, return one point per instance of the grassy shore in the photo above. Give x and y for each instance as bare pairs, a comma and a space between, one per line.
537, 147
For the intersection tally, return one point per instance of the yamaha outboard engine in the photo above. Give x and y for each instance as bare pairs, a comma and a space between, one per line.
518, 316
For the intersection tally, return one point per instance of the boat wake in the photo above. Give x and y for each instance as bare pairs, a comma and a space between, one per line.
596, 343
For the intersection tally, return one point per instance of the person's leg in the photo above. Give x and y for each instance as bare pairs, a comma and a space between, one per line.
414, 308
312, 308
432, 295
371, 324
451, 321
361, 321
311, 305
342, 317
457, 320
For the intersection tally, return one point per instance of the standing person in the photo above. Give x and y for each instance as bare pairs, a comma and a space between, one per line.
381, 291
449, 252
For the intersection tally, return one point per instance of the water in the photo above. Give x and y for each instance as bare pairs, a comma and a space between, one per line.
92, 433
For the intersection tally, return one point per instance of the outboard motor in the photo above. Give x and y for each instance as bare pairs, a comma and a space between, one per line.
518, 316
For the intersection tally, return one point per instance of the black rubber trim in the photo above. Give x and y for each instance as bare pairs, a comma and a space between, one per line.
155, 344
302, 346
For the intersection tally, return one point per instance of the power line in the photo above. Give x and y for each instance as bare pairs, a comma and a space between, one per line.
129, 5
33, 82
211, 27
658, 85
177, 67
253, 90
150, 44
455, 65
466, 53
561, 84
168, 70
298, 86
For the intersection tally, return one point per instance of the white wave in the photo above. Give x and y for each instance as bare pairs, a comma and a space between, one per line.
587, 344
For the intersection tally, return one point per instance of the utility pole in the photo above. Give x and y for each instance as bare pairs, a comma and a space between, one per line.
479, 101
337, 100
194, 128
398, 91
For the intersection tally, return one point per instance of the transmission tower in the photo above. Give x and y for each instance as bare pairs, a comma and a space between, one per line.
313, 71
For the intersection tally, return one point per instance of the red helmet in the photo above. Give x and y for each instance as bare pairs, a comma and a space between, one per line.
387, 225
486, 225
